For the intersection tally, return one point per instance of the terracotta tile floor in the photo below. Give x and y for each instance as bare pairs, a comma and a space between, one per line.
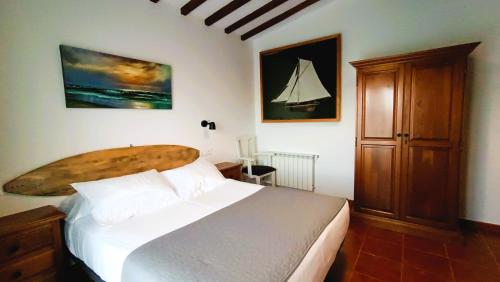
373, 254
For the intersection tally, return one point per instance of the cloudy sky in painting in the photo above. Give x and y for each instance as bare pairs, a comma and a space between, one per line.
93, 69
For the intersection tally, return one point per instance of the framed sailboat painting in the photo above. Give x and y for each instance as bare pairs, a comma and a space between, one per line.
301, 82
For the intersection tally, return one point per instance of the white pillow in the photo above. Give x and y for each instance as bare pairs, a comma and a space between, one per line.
115, 199
75, 207
125, 207
194, 179
104, 190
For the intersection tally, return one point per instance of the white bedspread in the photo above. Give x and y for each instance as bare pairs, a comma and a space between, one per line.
105, 248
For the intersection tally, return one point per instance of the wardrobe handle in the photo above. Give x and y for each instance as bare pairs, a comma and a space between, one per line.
13, 249
17, 274
406, 135
398, 135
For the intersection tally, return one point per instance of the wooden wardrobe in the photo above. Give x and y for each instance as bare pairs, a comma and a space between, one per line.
408, 136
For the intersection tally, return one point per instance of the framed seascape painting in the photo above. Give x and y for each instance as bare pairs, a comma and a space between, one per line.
301, 82
98, 80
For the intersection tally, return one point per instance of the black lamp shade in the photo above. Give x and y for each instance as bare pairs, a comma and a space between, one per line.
211, 125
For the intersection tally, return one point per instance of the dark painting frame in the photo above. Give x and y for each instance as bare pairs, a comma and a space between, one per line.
278, 65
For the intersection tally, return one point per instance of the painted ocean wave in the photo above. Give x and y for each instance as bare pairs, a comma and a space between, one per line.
116, 98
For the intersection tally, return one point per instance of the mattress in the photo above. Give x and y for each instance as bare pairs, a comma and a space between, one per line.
105, 248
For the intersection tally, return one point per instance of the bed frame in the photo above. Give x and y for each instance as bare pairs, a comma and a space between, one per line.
54, 179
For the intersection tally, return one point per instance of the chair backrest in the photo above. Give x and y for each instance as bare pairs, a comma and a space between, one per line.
246, 146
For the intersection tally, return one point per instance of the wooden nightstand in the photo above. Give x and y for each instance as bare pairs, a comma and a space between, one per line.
230, 170
31, 245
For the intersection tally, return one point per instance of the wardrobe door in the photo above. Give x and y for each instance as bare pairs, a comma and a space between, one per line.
432, 124
378, 146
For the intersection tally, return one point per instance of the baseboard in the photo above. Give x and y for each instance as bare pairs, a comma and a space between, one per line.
471, 225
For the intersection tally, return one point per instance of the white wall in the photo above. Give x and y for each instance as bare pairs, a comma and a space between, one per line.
388, 27
210, 81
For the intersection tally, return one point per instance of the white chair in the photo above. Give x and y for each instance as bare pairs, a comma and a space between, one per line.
248, 156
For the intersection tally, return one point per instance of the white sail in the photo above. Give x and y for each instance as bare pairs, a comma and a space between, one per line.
310, 87
303, 86
283, 97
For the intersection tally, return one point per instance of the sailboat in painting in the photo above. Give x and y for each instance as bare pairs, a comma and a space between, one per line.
304, 91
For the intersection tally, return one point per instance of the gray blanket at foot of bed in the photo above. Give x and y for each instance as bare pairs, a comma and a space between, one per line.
263, 237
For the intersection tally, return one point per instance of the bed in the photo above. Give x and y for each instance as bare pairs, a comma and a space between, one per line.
109, 250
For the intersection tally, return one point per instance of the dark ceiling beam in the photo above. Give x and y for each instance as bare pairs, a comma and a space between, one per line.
278, 19
224, 11
253, 15
190, 6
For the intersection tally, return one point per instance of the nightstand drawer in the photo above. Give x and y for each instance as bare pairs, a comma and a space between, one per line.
30, 266
47, 276
230, 170
25, 242
233, 174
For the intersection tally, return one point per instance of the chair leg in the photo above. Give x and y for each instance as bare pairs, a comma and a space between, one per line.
273, 179
257, 180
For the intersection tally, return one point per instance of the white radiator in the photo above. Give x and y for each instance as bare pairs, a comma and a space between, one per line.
295, 170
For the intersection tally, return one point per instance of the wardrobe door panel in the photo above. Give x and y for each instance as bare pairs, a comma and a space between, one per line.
377, 178
431, 143
427, 176
431, 97
379, 110
378, 146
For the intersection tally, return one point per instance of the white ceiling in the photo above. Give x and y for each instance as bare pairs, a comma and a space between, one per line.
210, 6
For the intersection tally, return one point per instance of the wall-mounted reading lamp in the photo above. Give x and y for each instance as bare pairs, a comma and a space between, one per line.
211, 125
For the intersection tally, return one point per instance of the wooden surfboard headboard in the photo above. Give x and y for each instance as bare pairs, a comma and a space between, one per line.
55, 178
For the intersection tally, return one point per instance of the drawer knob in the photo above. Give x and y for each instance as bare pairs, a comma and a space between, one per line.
13, 249
17, 274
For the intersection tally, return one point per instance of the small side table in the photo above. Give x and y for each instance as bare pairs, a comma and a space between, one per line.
230, 170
